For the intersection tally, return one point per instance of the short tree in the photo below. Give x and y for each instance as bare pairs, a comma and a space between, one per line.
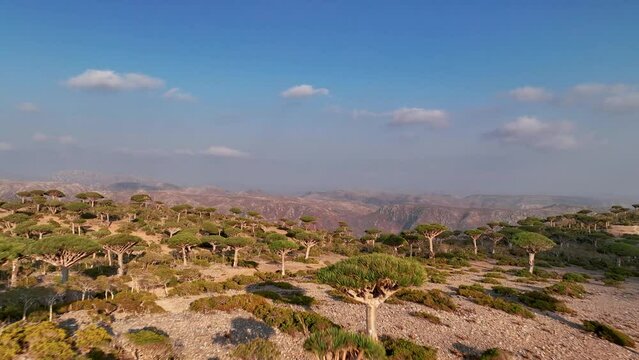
140, 199
474, 235
12, 250
282, 248
90, 196
495, 237
181, 209
532, 243
430, 232
41, 229
308, 240
63, 251
393, 240
184, 242
621, 250
371, 279
120, 244
238, 243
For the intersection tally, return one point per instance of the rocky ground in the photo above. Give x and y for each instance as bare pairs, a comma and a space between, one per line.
464, 333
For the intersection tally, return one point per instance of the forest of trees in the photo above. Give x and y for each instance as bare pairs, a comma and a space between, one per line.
84, 251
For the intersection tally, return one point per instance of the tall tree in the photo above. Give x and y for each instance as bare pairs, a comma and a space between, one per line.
430, 232
181, 209
63, 251
307, 220
140, 199
474, 235
184, 242
54, 194
308, 240
12, 250
120, 244
282, 248
238, 243
533, 243
371, 280
90, 196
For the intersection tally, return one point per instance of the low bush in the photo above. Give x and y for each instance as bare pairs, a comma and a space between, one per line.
286, 320
435, 299
576, 277
478, 295
90, 337
245, 279
150, 342
490, 281
567, 288
542, 301
278, 284
505, 291
335, 343
289, 298
402, 349
609, 333
136, 302
495, 275
428, 316
196, 287
257, 349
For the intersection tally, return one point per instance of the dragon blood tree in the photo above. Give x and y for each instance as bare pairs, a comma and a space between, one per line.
371, 280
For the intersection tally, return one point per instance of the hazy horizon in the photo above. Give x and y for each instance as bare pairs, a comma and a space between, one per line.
450, 97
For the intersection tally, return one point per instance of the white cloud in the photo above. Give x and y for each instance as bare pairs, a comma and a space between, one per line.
434, 117
302, 91
63, 139
5, 146
28, 107
622, 102
591, 89
532, 132
223, 151
110, 80
530, 94
40, 137
179, 95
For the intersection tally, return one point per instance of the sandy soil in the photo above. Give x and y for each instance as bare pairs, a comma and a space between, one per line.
467, 332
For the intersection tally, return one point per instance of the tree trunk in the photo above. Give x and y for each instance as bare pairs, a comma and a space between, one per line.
308, 252
120, 263
410, 252
51, 312
235, 252
184, 256
371, 319
619, 261
492, 251
431, 250
178, 219
14, 273
475, 246
283, 271
64, 274
110, 257
531, 262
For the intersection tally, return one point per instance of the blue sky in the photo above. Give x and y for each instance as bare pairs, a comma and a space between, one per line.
430, 96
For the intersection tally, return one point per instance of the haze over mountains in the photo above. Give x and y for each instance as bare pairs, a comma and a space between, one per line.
361, 209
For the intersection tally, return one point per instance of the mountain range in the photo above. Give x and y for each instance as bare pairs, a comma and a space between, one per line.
360, 209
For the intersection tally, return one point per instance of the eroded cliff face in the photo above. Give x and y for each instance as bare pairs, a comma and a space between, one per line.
389, 212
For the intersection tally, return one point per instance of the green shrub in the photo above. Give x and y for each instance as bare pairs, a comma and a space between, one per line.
567, 288
91, 337
477, 294
505, 291
496, 275
335, 343
434, 298
496, 354
576, 277
609, 333
137, 302
245, 279
150, 342
402, 349
285, 319
490, 281
289, 298
542, 301
196, 287
257, 349
424, 315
